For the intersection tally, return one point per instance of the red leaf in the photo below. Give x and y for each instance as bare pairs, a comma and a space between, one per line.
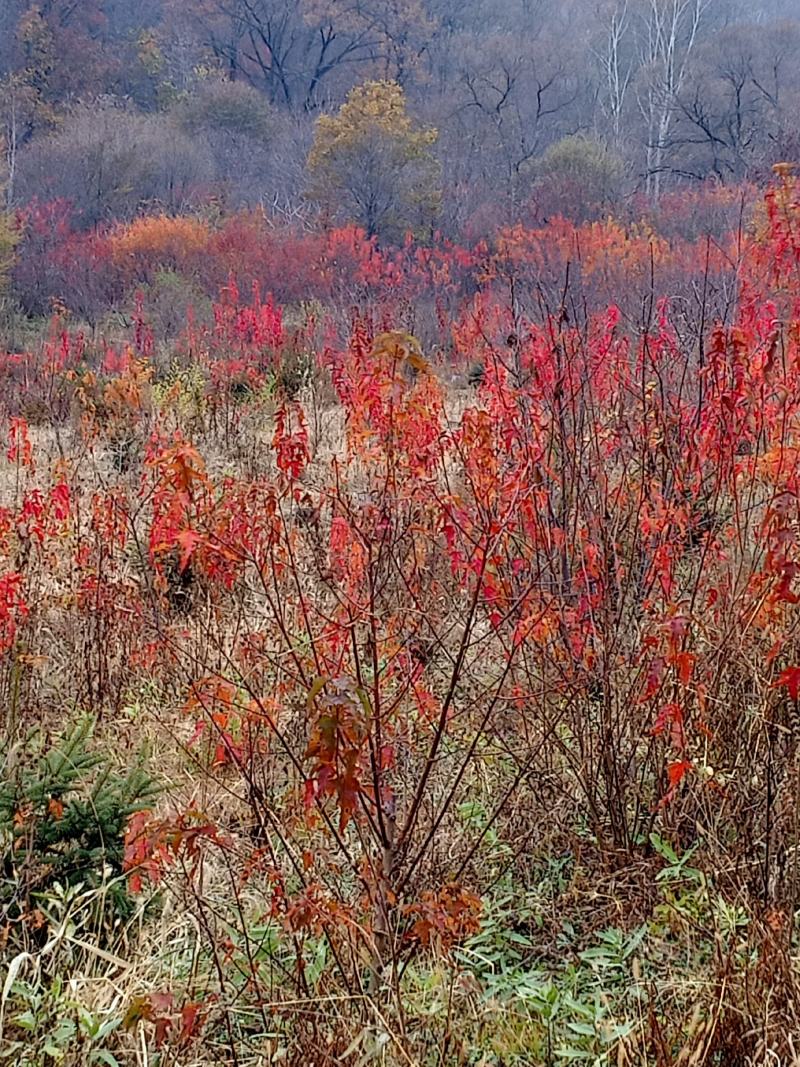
188, 540
189, 1019
790, 678
684, 664
669, 714
676, 771
162, 1001
162, 1028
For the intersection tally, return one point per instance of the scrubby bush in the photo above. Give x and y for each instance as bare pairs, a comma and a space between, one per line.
108, 163
577, 177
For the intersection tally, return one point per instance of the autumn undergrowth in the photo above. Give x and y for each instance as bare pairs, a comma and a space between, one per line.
372, 701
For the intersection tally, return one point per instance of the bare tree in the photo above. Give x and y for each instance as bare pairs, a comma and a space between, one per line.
738, 103
617, 61
292, 50
669, 31
511, 104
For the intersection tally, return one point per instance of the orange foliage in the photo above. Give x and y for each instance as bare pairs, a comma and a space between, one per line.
160, 241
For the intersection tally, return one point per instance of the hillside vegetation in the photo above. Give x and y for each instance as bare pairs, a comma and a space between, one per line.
399, 648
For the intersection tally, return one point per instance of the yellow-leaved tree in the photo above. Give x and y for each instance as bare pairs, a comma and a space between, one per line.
372, 164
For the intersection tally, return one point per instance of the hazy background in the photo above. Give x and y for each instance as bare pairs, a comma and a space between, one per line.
541, 106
